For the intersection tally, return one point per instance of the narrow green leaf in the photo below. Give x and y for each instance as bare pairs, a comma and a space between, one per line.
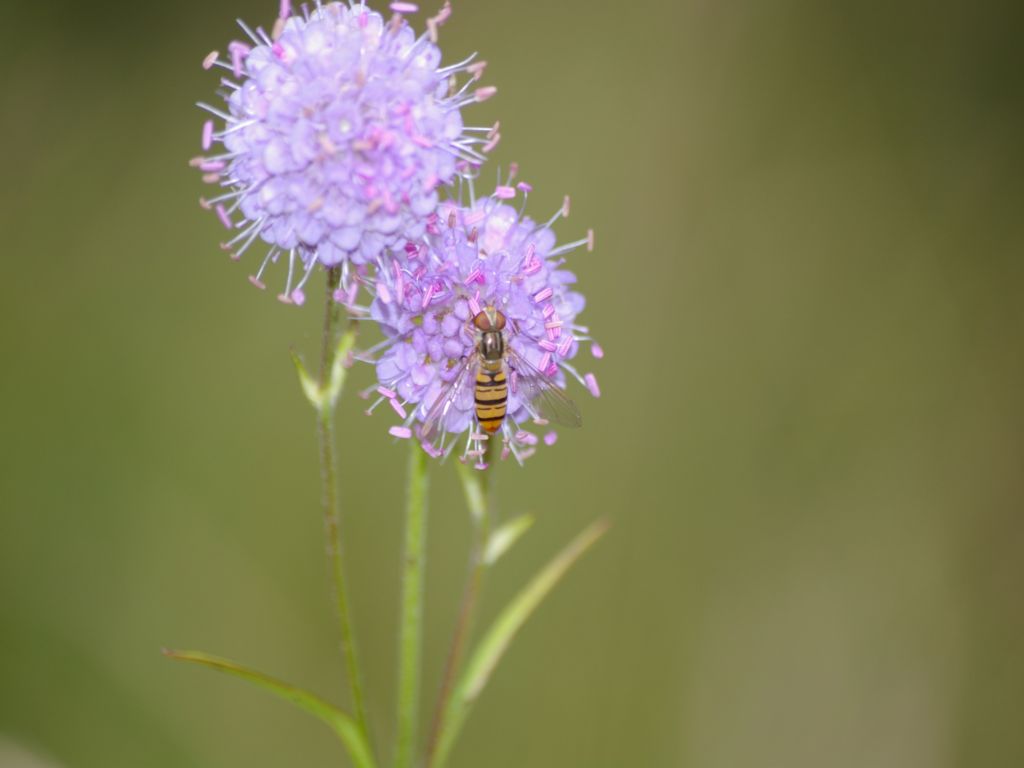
494, 644
473, 488
339, 722
501, 540
339, 367
309, 386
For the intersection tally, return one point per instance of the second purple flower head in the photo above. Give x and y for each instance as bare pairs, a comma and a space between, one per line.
479, 264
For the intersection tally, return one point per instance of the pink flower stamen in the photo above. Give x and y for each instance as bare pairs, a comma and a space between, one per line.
224, 218
485, 93
207, 135
565, 346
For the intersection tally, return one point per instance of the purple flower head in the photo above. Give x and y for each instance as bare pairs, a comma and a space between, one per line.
483, 255
337, 131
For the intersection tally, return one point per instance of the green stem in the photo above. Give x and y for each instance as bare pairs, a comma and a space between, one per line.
477, 488
411, 639
330, 381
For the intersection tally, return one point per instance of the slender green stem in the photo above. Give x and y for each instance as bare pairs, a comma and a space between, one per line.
330, 383
411, 639
477, 487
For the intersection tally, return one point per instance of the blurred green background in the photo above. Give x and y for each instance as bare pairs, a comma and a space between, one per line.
808, 282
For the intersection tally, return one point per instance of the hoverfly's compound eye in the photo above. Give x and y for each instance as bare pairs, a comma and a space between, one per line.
499, 321
482, 322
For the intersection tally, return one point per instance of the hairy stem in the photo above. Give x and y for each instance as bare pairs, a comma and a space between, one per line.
411, 638
477, 488
330, 380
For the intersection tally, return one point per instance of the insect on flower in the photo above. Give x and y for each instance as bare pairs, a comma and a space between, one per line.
480, 324
493, 367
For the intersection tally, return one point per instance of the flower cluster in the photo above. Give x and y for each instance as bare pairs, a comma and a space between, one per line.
485, 254
340, 128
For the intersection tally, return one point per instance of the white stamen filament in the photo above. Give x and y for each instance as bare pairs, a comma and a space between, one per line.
216, 112
291, 272
266, 260
309, 271
248, 242
245, 233
454, 68
249, 32
236, 127
568, 247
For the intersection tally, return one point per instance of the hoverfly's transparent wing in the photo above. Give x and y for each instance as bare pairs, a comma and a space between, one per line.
433, 423
540, 394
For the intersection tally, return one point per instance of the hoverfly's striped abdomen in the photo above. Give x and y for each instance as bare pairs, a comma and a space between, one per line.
491, 397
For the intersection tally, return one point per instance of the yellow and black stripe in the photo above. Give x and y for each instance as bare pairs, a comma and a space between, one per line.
491, 398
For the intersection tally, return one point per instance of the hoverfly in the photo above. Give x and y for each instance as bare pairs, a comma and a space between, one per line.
494, 367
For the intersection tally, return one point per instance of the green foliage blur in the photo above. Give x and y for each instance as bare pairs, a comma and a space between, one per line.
808, 282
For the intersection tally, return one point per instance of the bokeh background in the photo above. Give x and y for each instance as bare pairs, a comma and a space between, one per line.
808, 282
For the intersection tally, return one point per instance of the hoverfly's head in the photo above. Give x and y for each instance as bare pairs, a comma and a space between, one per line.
489, 320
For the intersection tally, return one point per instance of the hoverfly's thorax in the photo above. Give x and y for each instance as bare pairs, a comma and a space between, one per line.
492, 346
